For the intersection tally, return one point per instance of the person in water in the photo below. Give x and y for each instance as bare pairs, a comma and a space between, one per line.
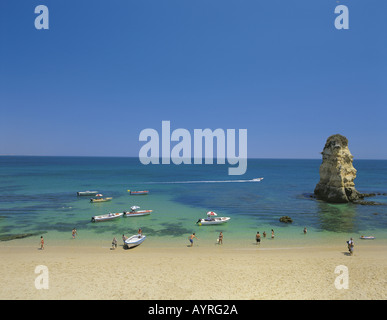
74, 232
258, 238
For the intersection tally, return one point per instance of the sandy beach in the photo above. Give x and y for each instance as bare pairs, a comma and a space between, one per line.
217, 272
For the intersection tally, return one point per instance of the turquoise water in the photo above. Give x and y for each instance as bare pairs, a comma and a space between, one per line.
38, 196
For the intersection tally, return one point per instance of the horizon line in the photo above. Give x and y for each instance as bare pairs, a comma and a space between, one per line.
84, 156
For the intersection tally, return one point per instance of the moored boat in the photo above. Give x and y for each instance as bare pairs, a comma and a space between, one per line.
212, 219
106, 217
135, 213
367, 237
135, 240
101, 199
142, 192
87, 193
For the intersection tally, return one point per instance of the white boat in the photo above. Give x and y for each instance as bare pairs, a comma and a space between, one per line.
135, 213
367, 237
87, 193
96, 200
106, 217
257, 179
212, 219
135, 240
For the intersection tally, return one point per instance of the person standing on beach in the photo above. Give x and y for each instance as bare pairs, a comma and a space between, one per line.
258, 238
351, 244
41, 243
305, 231
114, 243
264, 234
220, 238
74, 232
191, 237
272, 233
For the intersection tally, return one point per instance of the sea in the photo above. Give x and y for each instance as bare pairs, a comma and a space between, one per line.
38, 197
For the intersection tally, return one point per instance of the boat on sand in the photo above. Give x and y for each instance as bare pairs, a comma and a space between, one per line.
135, 240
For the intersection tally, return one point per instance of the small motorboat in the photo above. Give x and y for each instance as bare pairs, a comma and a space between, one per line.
135, 240
257, 179
143, 192
367, 237
212, 219
101, 199
134, 212
87, 193
106, 217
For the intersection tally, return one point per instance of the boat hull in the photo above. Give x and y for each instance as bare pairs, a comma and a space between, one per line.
106, 217
213, 221
87, 193
134, 241
134, 193
100, 200
137, 213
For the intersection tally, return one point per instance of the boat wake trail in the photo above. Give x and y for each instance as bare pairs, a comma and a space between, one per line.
206, 181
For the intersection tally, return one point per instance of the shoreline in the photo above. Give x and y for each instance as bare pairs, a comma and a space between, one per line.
181, 273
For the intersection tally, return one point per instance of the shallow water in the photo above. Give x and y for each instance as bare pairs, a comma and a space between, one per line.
39, 196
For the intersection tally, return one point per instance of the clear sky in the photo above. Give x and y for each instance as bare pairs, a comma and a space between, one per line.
105, 70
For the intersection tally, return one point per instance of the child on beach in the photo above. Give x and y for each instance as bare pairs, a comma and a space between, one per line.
272, 233
41, 243
74, 232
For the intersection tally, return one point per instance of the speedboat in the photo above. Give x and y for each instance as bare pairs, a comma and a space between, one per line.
135, 240
101, 199
212, 219
138, 192
87, 193
106, 217
257, 179
367, 237
135, 213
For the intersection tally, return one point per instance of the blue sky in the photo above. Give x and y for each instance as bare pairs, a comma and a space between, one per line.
105, 70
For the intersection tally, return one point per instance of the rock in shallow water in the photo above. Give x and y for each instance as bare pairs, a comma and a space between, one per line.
337, 173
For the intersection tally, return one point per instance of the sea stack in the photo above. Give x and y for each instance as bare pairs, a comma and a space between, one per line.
337, 173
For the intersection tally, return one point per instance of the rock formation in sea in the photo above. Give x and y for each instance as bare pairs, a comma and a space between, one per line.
337, 173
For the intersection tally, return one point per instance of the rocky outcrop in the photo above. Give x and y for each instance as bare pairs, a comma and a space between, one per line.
337, 173
286, 219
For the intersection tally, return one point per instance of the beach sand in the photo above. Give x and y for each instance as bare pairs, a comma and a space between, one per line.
215, 272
